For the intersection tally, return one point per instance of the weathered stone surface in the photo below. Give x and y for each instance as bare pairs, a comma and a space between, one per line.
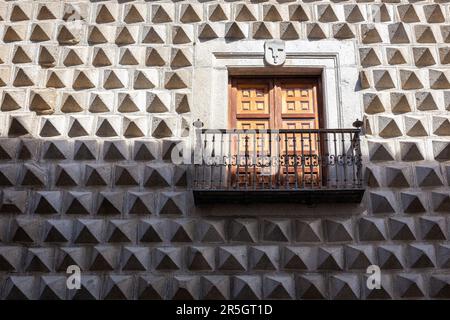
185, 288
409, 286
150, 287
246, 287
215, 287
359, 257
232, 258
345, 287
311, 287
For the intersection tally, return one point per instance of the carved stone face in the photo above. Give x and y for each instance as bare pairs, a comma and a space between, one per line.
274, 53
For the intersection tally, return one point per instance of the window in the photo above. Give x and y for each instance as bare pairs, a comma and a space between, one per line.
276, 147
277, 103
274, 103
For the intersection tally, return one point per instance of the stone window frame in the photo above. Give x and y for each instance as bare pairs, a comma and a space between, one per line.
335, 61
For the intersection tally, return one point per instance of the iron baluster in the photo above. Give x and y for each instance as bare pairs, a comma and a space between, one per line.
303, 161
270, 161
286, 161
294, 141
353, 159
279, 159
213, 156
254, 160
246, 156
344, 155
359, 158
238, 160
311, 164
221, 164
336, 160
230, 161
326, 161
204, 160
319, 159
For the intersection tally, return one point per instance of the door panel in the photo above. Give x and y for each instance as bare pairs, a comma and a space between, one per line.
253, 99
261, 141
306, 142
302, 148
297, 100
253, 124
299, 110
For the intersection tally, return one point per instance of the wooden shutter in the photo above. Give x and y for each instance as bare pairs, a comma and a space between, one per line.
251, 104
274, 103
297, 99
278, 103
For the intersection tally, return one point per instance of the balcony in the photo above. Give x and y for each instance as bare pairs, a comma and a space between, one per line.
304, 166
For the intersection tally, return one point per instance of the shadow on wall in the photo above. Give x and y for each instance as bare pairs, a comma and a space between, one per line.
279, 209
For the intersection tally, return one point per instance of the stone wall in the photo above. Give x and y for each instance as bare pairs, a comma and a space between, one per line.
93, 97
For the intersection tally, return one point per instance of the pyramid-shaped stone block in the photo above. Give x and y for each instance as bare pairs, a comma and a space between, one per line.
57, 231
151, 231
263, 258
330, 258
382, 202
428, 176
135, 259
167, 258
359, 257
151, 287
299, 258
398, 177
52, 288
120, 231
200, 258
412, 203
118, 287
372, 229
278, 287
311, 286
390, 257
211, 231
88, 231
90, 289
276, 230
184, 288
410, 285
180, 230
246, 288
338, 230
39, 260
233, 258
215, 287
218, 12
104, 258
77, 202
432, 228
345, 287
145, 150
110, 203
421, 256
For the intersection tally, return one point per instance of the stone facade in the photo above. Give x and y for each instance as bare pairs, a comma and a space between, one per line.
95, 94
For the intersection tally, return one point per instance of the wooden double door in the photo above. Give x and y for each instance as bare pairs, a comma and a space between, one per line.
277, 103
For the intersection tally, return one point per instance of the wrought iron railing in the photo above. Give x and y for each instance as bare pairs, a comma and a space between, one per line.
319, 159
